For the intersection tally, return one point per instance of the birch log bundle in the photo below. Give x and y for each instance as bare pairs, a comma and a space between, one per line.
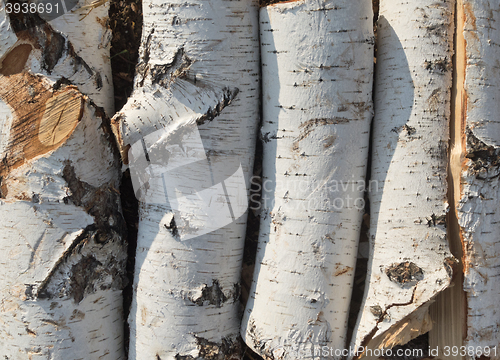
189, 128
317, 63
61, 228
188, 135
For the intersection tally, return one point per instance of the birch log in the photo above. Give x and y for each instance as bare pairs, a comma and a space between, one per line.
317, 61
195, 103
477, 210
410, 261
60, 223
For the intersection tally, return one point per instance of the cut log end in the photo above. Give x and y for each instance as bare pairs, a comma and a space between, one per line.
43, 119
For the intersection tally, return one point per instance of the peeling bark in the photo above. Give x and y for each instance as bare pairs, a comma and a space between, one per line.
409, 252
317, 61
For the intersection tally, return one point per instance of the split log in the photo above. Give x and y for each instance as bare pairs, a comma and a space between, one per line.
410, 260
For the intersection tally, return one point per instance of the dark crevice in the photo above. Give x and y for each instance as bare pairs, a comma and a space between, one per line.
361, 271
253, 221
125, 20
130, 206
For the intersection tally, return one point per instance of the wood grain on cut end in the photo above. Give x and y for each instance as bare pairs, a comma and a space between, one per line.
43, 119
62, 113
14, 61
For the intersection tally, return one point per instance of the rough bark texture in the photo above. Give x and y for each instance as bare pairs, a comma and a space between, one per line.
198, 72
60, 223
317, 61
477, 210
86, 27
410, 261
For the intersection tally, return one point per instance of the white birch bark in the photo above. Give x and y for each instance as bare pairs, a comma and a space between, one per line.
197, 72
61, 272
87, 29
317, 61
410, 261
477, 210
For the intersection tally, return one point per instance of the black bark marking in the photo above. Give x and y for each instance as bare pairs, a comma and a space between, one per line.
228, 96
29, 292
60, 83
53, 50
409, 130
167, 73
484, 158
441, 65
83, 277
435, 220
212, 294
212, 351
236, 294
183, 357
30, 332
267, 137
405, 273
98, 80
271, 2
376, 311
259, 344
172, 227
78, 188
